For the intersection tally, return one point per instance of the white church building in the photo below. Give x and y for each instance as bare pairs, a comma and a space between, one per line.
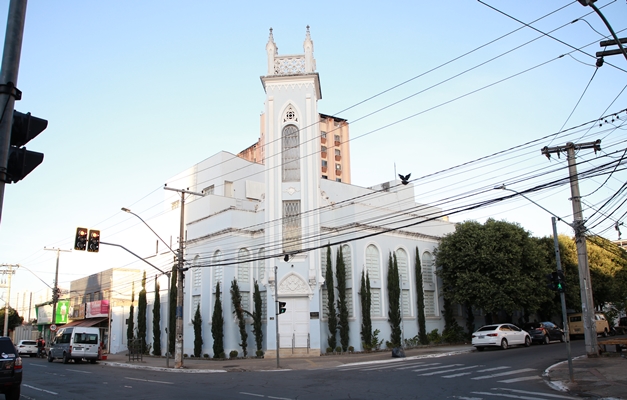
253, 215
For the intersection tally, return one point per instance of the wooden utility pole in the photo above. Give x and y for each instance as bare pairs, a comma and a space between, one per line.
585, 285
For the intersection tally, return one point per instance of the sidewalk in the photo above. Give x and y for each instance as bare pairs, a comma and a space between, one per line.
602, 377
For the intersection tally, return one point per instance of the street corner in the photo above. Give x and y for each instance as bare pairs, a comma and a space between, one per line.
163, 369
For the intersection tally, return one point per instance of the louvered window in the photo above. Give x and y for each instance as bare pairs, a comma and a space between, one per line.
375, 306
349, 302
430, 304
195, 304
325, 303
291, 226
291, 154
217, 270
372, 262
243, 266
196, 274
348, 262
403, 272
261, 265
427, 268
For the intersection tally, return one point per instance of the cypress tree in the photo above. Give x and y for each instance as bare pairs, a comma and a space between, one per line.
130, 328
420, 299
257, 322
236, 297
394, 295
340, 274
332, 317
142, 306
172, 305
156, 322
217, 325
366, 324
197, 323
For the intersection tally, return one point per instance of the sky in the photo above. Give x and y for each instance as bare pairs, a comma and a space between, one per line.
136, 92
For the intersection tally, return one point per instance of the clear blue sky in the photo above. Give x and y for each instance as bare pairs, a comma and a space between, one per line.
137, 91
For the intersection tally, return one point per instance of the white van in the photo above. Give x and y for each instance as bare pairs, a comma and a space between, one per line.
76, 343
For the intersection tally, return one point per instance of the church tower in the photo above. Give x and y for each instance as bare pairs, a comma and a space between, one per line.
292, 177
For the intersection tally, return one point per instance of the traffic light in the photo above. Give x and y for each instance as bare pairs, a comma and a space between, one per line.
551, 281
282, 305
94, 241
561, 282
80, 243
21, 161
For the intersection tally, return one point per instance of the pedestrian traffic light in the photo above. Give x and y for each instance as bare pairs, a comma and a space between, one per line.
21, 161
282, 305
550, 281
80, 242
561, 282
94, 241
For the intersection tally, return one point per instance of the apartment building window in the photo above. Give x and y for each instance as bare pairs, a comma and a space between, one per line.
325, 177
323, 149
337, 152
324, 163
290, 154
338, 167
338, 179
337, 140
291, 225
323, 134
209, 190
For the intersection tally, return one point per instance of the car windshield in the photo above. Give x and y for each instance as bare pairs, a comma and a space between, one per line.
488, 328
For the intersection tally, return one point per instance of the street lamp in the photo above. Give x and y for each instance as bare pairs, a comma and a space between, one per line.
616, 41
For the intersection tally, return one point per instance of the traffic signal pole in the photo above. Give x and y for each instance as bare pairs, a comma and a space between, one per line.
55, 289
8, 81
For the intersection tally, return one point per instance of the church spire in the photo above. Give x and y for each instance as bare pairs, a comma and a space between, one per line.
272, 50
310, 62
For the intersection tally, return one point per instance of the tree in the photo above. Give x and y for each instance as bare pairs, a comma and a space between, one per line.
257, 322
14, 319
142, 306
495, 266
130, 329
394, 297
365, 298
172, 305
156, 322
217, 325
197, 323
332, 317
452, 332
340, 274
236, 298
420, 301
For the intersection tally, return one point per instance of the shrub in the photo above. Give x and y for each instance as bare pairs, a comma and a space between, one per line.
185, 355
205, 355
222, 355
338, 349
434, 337
259, 353
376, 343
351, 349
329, 350
233, 354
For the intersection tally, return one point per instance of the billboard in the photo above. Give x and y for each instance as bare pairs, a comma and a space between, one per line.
44, 313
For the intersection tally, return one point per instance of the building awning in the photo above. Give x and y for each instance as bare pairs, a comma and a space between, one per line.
86, 322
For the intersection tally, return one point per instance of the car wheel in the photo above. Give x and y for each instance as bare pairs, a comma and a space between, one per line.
93, 361
546, 339
604, 334
66, 358
562, 339
32, 355
50, 358
479, 348
14, 393
504, 344
527, 341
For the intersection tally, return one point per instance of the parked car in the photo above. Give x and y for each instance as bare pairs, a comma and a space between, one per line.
500, 335
28, 347
575, 324
10, 369
76, 343
544, 332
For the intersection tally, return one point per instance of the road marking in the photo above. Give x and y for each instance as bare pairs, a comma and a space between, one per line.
415, 365
506, 395
449, 370
278, 398
151, 381
441, 366
492, 369
557, 396
524, 378
36, 388
396, 366
37, 365
518, 371
78, 370
252, 394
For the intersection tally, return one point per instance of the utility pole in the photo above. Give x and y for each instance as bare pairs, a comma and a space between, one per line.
55, 289
585, 285
178, 340
8, 81
9, 272
276, 314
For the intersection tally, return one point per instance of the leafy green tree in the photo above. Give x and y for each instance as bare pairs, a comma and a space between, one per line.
495, 266
452, 332
394, 297
14, 319
236, 298
332, 317
156, 322
217, 325
130, 328
142, 306
606, 261
420, 301
257, 314
366, 321
340, 274
197, 323
172, 305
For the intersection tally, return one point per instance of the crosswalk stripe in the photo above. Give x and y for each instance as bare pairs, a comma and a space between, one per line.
397, 367
507, 395
448, 370
518, 371
441, 366
417, 364
493, 369
557, 396
524, 378
458, 375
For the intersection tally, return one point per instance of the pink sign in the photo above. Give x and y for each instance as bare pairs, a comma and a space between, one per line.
98, 308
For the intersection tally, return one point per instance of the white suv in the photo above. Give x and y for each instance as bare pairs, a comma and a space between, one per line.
27, 347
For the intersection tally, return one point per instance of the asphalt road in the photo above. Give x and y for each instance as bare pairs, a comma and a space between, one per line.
492, 374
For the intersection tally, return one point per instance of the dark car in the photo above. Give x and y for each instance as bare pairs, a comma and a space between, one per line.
544, 332
10, 369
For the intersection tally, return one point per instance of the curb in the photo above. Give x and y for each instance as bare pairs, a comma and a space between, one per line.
177, 370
